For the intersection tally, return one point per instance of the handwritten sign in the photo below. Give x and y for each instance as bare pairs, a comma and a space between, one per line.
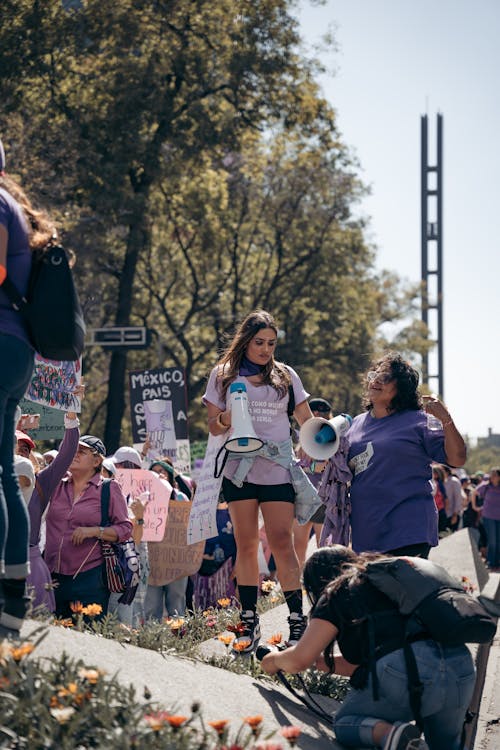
173, 558
51, 421
202, 522
53, 384
154, 493
160, 427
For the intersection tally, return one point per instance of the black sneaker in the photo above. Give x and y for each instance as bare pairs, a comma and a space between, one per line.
298, 624
248, 633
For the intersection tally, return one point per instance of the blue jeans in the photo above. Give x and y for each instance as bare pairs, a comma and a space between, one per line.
16, 368
493, 545
172, 596
448, 677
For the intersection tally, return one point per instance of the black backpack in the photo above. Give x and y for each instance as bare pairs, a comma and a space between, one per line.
434, 606
51, 307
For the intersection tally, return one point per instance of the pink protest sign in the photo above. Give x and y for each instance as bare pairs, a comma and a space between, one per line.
153, 492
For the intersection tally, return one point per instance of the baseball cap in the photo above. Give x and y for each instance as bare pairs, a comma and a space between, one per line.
93, 442
109, 465
53, 453
24, 468
320, 404
127, 453
164, 465
23, 437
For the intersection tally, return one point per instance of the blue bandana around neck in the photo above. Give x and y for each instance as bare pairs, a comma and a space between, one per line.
250, 368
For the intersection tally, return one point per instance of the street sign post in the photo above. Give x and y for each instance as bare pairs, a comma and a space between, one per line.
118, 337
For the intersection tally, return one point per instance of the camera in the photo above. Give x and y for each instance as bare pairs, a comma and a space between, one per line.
261, 651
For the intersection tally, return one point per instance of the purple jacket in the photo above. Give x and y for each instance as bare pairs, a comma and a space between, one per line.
64, 516
47, 481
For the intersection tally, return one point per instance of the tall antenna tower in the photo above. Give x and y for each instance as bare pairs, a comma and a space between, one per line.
432, 253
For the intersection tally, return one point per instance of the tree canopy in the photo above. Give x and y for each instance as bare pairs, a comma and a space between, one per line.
197, 171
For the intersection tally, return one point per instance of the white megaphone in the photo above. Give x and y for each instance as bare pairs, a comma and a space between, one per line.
243, 438
320, 438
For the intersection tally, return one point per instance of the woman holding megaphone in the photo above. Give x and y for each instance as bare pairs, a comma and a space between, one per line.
269, 477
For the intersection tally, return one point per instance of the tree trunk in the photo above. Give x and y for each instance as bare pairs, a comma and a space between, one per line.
115, 403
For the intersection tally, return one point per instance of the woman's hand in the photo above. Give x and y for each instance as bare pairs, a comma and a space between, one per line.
84, 532
432, 405
268, 663
137, 509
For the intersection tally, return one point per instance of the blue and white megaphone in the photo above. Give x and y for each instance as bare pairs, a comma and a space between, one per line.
243, 438
320, 438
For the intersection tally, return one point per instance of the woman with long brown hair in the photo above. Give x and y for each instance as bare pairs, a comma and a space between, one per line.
266, 480
22, 230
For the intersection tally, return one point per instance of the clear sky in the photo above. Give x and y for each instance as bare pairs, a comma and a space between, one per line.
395, 61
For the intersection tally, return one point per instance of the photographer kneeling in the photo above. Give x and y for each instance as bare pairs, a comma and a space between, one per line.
342, 601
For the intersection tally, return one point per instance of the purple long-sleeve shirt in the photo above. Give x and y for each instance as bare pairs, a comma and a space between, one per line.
64, 516
47, 481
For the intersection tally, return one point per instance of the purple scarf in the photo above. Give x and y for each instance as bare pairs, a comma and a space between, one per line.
249, 368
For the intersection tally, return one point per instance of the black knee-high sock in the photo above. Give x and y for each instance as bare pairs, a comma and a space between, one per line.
248, 597
15, 605
294, 600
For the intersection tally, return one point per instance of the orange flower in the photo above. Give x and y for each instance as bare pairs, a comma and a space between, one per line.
176, 722
65, 623
253, 722
241, 645
291, 733
275, 639
92, 610
224, 602
91, 675
239, 628
175, 625
22, 651
219, 726
76, 607
226, 638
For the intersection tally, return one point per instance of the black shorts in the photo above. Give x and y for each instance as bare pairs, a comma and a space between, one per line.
263, 493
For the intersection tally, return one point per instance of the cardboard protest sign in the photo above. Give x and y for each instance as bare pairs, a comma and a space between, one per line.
173, 558
53, 384
161, 428
168, 385
153, 492
203, 522
51, 421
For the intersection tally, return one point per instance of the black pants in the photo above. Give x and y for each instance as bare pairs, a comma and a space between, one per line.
89, 587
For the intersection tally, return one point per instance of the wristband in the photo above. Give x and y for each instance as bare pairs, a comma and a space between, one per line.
447, 423
101, 531
69, 424
139, 521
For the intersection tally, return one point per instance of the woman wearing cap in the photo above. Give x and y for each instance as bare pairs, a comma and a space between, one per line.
268, 485
73, 551
39, 580
391, 449
22, 231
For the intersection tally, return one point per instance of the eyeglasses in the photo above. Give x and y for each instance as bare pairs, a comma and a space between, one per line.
383, 378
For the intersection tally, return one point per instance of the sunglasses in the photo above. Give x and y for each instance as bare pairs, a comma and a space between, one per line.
379, 377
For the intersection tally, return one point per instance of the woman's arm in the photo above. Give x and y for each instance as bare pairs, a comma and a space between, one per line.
317, 636
302, 412
454, 446
49, 478
219, 421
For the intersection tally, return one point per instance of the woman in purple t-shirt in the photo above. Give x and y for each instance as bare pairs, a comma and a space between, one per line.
249, 358
22, 230
490, 514
392, 447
